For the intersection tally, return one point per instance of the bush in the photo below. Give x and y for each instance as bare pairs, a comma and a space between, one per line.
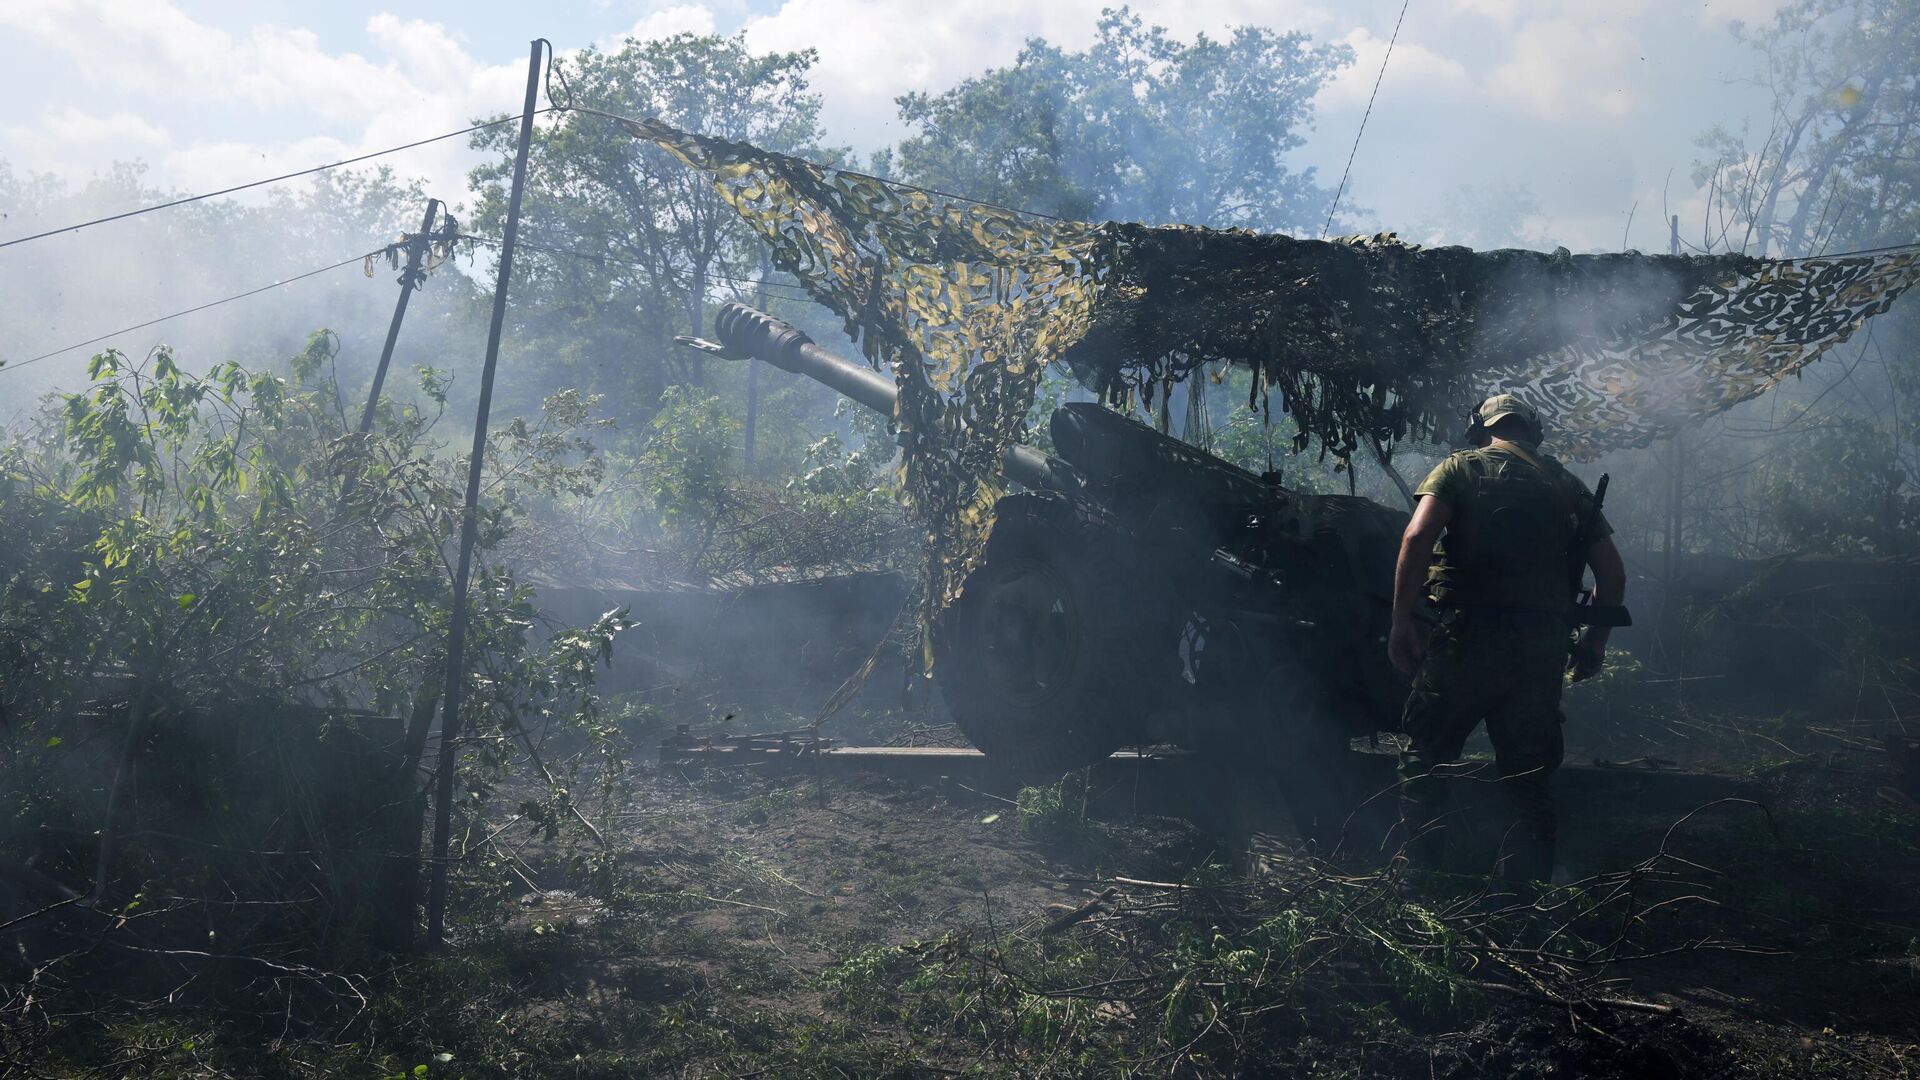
222, 618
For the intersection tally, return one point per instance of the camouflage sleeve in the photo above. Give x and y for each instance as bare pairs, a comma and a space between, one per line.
1443, 482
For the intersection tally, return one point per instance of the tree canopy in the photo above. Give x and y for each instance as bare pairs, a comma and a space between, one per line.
624, 246
1839, 162
1140, 126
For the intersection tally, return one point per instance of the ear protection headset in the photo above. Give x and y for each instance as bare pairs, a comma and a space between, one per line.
1476, 430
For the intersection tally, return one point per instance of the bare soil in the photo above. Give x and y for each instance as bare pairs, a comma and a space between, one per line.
742, 925
755, 894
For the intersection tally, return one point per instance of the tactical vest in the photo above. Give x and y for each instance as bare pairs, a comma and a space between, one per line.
1506, 544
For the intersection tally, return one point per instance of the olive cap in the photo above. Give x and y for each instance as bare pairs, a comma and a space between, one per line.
1502, 405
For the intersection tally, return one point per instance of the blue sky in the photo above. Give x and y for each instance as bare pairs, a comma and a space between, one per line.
1586, 108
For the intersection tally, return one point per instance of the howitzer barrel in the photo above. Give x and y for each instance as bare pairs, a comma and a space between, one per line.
744, 331
747, 332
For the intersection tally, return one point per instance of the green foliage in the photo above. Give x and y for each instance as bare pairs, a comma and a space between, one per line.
690, 458
1139, 127
187, 548
165, 262
1214, 975
1048, 813
862, 968
850, 479
1841, 488
836, 514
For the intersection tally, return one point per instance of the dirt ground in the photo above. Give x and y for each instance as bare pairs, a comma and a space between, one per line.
778, 926
1758, 920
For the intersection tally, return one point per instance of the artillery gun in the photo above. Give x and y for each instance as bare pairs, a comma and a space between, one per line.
1141, 591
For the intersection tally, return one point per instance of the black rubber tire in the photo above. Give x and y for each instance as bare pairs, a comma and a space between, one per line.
1050, 691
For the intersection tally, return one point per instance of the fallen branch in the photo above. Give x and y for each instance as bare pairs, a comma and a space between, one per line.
1067, 915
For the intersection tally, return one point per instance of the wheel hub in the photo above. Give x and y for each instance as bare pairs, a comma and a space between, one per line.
1029, 632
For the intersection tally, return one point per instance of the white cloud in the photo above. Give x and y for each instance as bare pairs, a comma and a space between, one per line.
1413, 72
308, 104
215, 163
1721, 13
69, 140
153, 45
70, 126
1566, 70
668, 21
1501, 11
1512, 12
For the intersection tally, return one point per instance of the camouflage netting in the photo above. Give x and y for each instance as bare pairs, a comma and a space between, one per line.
970, 302
1361, 338
1370, 337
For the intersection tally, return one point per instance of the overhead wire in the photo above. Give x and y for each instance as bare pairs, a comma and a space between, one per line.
936, 192
361, 258
269, 180
799, 290
1377, 79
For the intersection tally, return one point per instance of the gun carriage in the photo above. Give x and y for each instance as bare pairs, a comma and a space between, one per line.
1140, 591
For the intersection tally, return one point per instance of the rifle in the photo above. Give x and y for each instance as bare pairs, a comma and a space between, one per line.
1585, 611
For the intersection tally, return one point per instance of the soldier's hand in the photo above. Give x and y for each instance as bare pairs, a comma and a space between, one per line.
1589, 656
1406, 646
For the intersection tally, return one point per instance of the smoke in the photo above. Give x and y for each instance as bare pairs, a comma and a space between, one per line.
73, 286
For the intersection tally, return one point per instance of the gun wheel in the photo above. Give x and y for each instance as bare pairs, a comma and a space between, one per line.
1038, 656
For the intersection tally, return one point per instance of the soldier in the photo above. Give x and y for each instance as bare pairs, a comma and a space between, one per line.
1491, 539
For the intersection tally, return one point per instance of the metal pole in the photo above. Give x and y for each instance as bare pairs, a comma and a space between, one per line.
469, 527
753, 370
1674, 474
1667, 638
409, 281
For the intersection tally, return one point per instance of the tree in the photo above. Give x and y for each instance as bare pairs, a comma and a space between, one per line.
1839, 160
1140, 127
626, 246
1824, 462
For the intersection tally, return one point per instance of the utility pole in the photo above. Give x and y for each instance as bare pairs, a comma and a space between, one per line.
410, 280
1675, 470
696, 313
469, 529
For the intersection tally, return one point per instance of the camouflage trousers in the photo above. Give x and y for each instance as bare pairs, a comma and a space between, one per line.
1505, 667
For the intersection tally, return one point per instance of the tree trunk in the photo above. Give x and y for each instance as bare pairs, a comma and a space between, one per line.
122, 773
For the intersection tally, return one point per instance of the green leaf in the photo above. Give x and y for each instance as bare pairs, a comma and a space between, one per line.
53, 742
186, 600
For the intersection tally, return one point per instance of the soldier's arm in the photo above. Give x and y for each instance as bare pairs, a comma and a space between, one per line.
1609, 574
1405, 645
1609, 590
